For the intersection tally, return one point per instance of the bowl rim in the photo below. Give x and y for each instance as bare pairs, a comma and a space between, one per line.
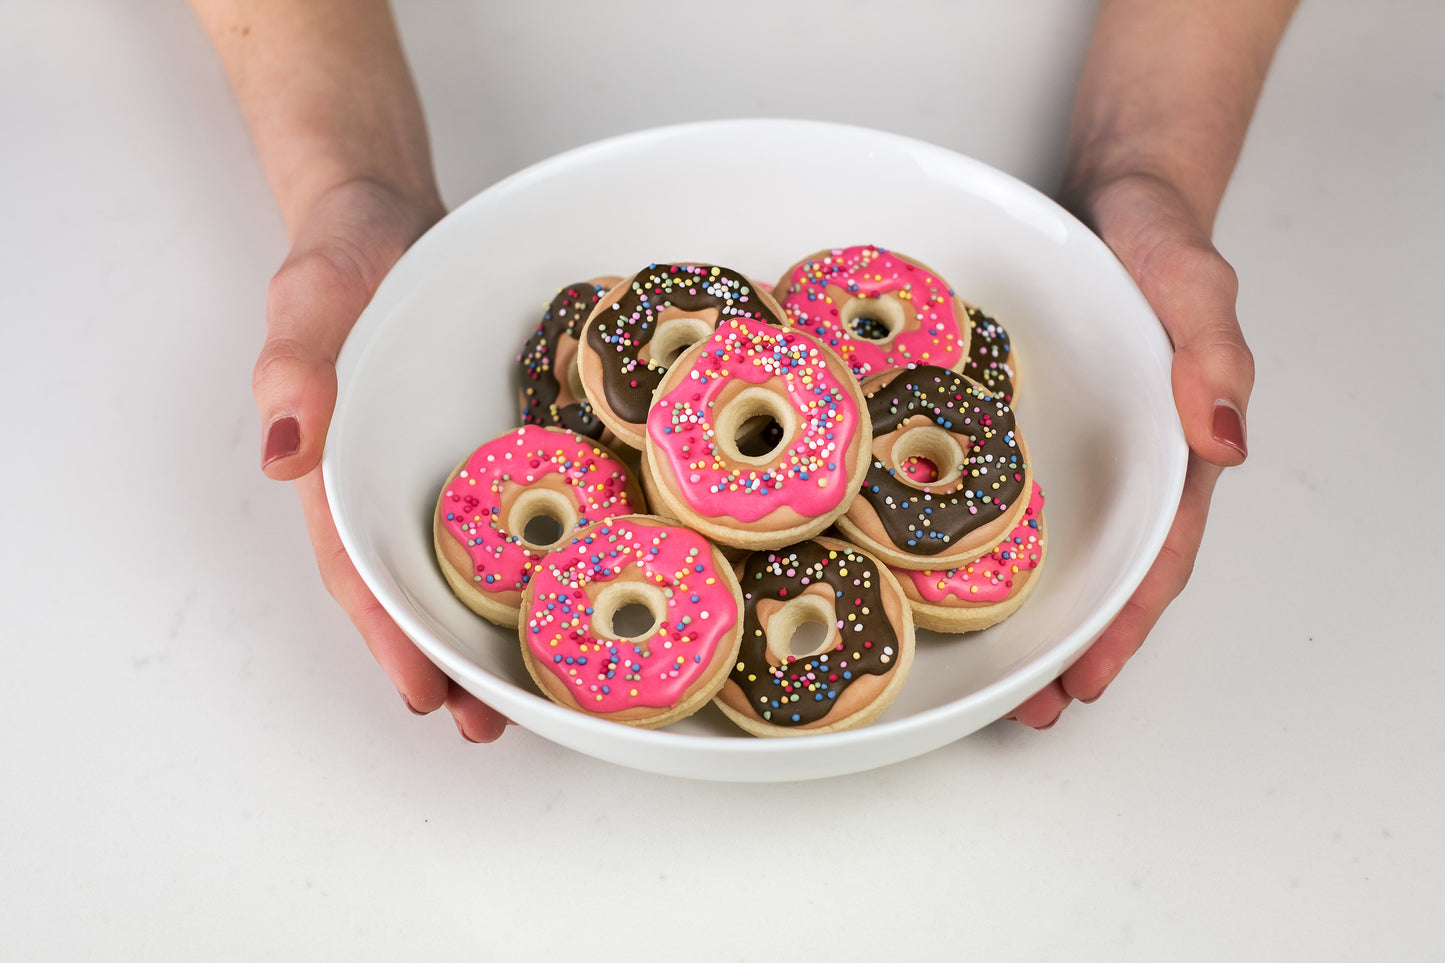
921, 731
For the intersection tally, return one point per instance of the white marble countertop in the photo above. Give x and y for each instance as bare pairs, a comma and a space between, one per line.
200, 760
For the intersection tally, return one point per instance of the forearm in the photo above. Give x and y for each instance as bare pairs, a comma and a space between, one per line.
1167, 91
327, 95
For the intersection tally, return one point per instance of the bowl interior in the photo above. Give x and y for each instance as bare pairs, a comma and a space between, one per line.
427, 375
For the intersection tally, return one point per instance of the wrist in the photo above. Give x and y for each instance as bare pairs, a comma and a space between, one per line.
329, 99
309, 170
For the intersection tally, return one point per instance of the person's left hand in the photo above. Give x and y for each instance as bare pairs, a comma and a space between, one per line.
1153, 231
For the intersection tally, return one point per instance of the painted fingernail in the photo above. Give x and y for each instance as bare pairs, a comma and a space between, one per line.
1228, 427
1089, 702
414, 710
283, 438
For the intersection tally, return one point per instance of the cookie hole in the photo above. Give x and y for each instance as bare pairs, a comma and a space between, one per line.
674, 336
759, 436
919, 470
628, 610
542, 519
801, 628
633, 620
928, 456
753, 426
809, 638
874, 319
542, 530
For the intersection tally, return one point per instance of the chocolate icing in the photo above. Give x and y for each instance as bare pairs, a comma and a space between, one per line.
541, 385
803, 690
988, 355
623, 328
933, 521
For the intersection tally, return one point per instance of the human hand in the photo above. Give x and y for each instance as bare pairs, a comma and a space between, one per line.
343, 246
1155, 233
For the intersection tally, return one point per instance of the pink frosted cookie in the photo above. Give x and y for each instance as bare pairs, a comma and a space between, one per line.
515, 499
757, 437
634, 620
877, 309
987, 590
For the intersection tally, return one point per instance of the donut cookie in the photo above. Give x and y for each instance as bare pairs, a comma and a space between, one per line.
949, 476
987, 590
711, 457
827, 641
551, 391
991, 360
515, 499
641, 326
635, 620
878, 309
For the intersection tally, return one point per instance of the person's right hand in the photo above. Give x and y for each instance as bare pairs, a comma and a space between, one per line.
343, 246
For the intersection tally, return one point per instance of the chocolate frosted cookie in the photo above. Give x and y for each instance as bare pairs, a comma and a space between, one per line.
827, 641
641, 326
949, 477
551, 392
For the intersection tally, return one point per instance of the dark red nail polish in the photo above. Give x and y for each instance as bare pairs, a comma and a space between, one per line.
282, 438
1228, 427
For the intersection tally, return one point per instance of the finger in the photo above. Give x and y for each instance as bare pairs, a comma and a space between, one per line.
1087, 678
352, 236
1042, 710
421, 684
1213, 370
476, 721
312, 304
1193, 291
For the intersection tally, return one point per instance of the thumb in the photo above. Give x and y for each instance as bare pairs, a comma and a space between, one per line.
312, 304
1192, 290
350, 238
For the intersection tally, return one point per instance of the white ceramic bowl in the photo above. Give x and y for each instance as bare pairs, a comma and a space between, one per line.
426, 376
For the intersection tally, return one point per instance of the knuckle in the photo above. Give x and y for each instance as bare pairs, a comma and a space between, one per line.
279, 360
1177, 567
1188, 266
323, 273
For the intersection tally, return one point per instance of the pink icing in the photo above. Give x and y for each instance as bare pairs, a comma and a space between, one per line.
810, 475
867, 272
471, 503
990, 578
609, 675
920, 470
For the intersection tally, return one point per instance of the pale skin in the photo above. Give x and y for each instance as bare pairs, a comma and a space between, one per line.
1160, 115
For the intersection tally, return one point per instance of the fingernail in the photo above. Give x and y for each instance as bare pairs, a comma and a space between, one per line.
1089, 702
282, 438
464, 732
414, 710
1228, 426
